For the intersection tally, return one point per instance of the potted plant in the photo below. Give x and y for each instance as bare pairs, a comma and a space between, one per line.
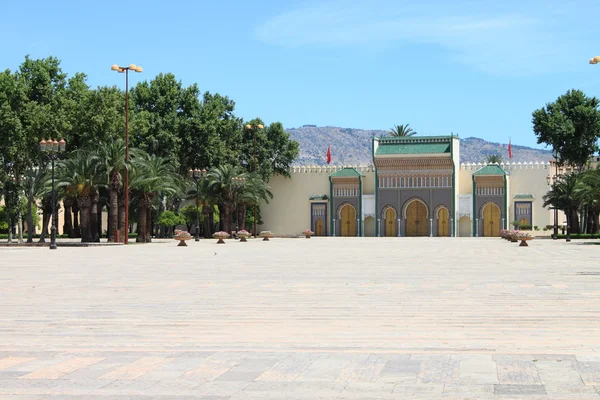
308, 233
515, 224
523, 237
513, 236
182, 236
266, 235
243, 235
220, 235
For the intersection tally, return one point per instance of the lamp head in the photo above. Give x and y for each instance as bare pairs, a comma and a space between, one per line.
43, 145
62, 145
115, 67
248, 126
596, 59
260, 126
139, 69
132, 67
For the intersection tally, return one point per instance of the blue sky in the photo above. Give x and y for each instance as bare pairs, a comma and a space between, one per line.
476, 68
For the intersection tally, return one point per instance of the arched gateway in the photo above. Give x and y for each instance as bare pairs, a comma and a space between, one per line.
443, 223
416, 218
491, 220
347, 220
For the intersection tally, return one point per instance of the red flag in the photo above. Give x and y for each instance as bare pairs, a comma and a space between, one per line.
328, 154
509, 149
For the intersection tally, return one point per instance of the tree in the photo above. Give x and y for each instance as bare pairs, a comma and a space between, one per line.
221, 182
35, 186
402, 131
80, 176
170, 220
564, 195
111, 159
493, 159
252, 192
150, 175
571, 125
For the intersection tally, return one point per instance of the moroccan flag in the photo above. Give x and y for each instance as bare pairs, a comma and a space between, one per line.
509, 149
328, 154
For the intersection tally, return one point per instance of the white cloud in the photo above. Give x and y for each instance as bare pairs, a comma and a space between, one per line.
495, 41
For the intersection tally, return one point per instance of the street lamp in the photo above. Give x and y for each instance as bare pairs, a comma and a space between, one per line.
51, 148
238, 181
135, 68
252, 128
196, 175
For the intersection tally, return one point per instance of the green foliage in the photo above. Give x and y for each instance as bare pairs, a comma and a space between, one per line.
515, 224
170, 219
189, 213
493, 158
402, 131
525, 227
571, 125
581, 236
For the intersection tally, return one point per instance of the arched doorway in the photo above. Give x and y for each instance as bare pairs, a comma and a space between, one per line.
347, 220
390, 221
491, 220
443, 222
319, 228
416, 219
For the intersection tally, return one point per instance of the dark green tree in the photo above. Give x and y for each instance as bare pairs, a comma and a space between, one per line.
571, 125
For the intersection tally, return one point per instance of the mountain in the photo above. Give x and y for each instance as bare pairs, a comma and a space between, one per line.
353, 146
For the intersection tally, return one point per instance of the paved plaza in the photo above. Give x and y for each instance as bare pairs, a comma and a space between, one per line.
325, 318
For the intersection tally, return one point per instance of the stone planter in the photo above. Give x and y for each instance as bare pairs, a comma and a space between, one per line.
182, 240
243, 238
220, 238
266, 236
524, 242
308, 236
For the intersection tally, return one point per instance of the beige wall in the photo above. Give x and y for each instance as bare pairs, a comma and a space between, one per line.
288, 213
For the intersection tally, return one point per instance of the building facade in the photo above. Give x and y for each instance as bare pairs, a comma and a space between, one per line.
415, 187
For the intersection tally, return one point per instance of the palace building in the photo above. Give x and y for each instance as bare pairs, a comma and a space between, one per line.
414, 187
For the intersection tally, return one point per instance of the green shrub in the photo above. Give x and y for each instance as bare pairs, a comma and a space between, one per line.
549, 226
536, 228
581, 236
525, 227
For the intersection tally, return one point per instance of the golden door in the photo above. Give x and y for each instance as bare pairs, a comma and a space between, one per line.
390, 222
491, 220
416, 219
442, 223
348, 221
524, 221
319, 228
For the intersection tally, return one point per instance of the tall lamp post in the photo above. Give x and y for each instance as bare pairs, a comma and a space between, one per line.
51, 148
252, 128
197, 175
136, 68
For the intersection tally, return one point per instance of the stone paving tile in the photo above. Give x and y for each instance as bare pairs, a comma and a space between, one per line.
517, 372
519, 390
439, 369
589, 371
291, 368
360, 371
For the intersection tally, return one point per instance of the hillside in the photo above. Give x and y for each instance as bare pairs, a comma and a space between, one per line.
353, 146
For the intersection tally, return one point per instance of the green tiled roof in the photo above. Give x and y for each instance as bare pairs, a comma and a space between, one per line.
346, 173
412, 148
493, 169
523, 196
319, 197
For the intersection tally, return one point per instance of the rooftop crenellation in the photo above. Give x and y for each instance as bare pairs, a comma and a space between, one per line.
299, 169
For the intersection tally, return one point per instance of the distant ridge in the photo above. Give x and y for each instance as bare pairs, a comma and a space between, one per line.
353, 146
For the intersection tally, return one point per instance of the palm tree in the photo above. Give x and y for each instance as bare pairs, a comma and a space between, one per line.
252, 192
402, 130
565, 196
79, 176
150, 175
111, 157
222, 183
589, 193
207, 198
493, 159
35, 186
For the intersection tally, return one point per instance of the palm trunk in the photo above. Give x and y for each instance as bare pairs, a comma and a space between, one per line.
142, 221
85, 204
242, 216
149, 224
227, 218
207, 211
45, 221
221, 208
94, 219
68, 225
29, 220
76, 218
113, 207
